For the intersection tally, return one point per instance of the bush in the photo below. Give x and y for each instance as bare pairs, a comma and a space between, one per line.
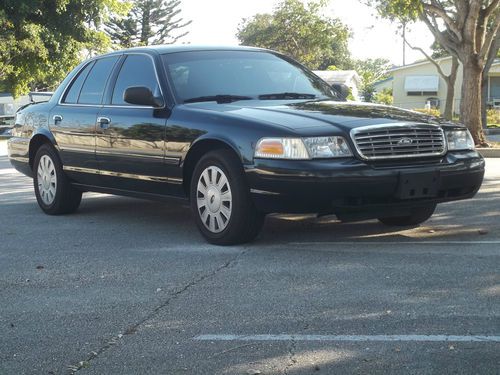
493, 118
384, 97
432, 112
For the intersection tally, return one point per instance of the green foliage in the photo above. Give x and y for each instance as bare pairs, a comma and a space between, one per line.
148, 22
432, 111
401, 10
384, 97
493, 117
300, 31
41, 40
371, 71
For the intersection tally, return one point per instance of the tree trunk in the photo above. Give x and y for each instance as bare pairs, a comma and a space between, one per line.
484, 98
471, 100
450, 89
448, 108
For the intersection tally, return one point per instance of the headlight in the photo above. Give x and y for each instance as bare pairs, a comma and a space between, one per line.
302, 148
459, 140
327, 147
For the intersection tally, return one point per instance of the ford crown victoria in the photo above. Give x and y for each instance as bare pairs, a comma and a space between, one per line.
239, 133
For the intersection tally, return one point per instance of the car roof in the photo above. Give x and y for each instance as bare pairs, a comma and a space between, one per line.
164, 48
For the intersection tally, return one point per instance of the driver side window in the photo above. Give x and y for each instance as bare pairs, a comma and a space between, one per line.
137, 70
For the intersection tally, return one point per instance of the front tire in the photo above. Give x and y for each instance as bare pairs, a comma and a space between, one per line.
417, 216
53, 190
221, 202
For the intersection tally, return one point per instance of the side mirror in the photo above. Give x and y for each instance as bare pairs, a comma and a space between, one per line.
342, 90
140, 95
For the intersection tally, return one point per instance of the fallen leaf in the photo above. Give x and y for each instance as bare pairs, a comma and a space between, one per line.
39, 267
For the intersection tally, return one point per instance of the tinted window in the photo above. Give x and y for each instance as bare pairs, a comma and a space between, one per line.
247, 73
94, 85
137, 70
72, 94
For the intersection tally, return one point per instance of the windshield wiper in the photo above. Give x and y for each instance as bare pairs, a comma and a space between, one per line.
286, 95
218, 98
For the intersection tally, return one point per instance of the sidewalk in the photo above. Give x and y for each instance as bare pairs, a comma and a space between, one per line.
494, 138
3, 147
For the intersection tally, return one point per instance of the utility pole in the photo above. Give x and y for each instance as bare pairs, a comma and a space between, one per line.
404, 43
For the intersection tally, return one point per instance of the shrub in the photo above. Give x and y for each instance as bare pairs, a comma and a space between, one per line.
384, 97
493, 117
432, 112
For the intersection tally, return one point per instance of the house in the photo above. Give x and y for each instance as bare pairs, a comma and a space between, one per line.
383, 84
419, 84
347, 77
9, 105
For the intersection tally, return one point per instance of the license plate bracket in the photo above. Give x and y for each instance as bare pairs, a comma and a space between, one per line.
418, 185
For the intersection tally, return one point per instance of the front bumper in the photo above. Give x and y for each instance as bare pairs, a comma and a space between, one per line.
351, 188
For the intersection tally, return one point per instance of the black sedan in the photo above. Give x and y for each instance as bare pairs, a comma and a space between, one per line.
239, 132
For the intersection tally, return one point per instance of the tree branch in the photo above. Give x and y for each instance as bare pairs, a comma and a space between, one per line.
491, 37
440, 12
434, 62
462, 11
450, 45
491, 8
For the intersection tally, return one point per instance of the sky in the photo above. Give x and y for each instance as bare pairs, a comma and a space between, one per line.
216, 22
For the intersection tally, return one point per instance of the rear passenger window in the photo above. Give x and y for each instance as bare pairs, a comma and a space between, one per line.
71, 96
137, 70
94, 85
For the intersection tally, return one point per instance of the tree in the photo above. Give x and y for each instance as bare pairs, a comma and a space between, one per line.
300, 31
148, 22
450, 79
371, 71
468, 30
41, 40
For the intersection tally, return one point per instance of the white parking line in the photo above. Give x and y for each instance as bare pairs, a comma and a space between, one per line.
394, 243
350, 338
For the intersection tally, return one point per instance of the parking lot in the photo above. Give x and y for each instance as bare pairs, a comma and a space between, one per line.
129, 286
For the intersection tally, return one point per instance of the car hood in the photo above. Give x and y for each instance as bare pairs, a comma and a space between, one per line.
319, 114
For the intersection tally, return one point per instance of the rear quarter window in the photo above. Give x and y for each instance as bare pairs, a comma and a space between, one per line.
93, 87
71, 96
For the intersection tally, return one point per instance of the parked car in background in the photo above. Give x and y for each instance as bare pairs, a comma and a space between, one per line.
240, 133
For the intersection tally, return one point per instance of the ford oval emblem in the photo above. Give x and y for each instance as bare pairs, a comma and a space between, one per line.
405, 141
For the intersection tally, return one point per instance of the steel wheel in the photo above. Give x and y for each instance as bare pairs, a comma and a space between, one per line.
47, 180
214, 199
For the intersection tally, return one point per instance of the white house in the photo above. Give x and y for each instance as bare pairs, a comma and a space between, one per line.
9, 105
417, 84
347, 77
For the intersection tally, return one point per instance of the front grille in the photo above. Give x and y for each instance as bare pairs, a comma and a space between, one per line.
391, 142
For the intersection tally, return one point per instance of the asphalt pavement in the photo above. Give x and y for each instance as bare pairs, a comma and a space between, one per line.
128, 286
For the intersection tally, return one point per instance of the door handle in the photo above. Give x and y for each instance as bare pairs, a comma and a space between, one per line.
57, 119
103, 122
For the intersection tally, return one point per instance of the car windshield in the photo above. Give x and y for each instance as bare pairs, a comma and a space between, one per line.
241, 75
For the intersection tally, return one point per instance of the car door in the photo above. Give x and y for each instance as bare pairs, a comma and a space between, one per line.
130, 146
73, 119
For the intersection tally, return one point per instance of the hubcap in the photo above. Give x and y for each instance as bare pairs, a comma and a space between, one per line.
47, 179
214, 199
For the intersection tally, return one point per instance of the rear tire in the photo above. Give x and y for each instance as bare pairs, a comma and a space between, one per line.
417, 216
53, 190
220, 200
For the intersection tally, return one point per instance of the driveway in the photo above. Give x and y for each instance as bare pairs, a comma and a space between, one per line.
129, 286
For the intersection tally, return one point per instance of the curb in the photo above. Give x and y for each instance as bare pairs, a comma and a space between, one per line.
489, 152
